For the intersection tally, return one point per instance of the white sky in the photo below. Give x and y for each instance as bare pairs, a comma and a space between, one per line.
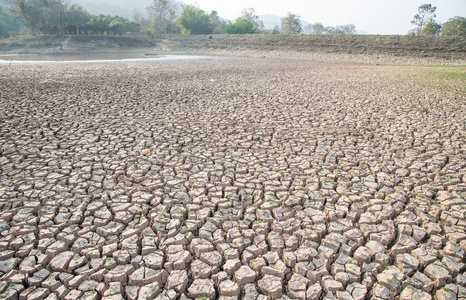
372, 16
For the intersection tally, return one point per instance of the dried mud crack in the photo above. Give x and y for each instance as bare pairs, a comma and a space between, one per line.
231, 178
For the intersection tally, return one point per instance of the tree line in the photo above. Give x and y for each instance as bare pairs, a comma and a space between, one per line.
426, 24
169, 16
173, 17
58, 17
162, 17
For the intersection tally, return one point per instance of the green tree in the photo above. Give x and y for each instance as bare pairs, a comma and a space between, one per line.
250, 14
291, 24
132, 27
426, 12
41, 16
345, 29
330, 30
78, 17
117, 27
163, 14
217, 25
316, 28
454, 27
8, 26
241, 26
432, 28
99, 24
56, 11
138, 17
194, 20
26, 11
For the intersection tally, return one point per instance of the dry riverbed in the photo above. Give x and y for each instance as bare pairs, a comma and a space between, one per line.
231, 178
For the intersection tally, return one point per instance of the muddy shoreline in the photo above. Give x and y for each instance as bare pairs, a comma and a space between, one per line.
330, 48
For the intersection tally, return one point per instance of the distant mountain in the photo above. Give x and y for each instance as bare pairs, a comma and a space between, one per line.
118, 7
270, 21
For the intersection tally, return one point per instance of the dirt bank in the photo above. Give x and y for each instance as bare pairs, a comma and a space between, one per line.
69, 45
331, 48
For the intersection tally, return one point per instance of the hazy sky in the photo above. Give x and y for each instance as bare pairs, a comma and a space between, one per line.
372, 16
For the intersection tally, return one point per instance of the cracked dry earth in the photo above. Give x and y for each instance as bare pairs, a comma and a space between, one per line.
230, 178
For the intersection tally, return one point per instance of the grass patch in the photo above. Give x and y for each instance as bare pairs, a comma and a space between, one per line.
446, 79
445, 66
448, 74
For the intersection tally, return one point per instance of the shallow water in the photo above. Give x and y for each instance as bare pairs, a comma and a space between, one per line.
104, 58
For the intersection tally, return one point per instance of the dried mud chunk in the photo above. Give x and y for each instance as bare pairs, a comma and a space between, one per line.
357, 290
231, 266
382, 292
408, 263
228, 288
425, 257
314, 291
362, 255
8, 265
120, 274
202, 288
298, 282
245, 275
212, 258
144, 276
178, 281
271, 286
202, 270
423, 282
448, 292
411, 293
60, 261
438, 273
149, 291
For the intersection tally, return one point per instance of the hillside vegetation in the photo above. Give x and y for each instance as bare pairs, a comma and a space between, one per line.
422, 46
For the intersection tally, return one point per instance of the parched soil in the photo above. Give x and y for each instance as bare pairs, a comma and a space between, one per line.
232, 178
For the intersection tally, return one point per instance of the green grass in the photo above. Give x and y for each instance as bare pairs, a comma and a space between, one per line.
447, 73
444, 66
448, 79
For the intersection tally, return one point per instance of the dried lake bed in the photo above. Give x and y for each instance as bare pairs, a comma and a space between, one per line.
232, 178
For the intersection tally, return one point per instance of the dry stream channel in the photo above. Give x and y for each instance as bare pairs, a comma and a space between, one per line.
231, 178
95, 58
